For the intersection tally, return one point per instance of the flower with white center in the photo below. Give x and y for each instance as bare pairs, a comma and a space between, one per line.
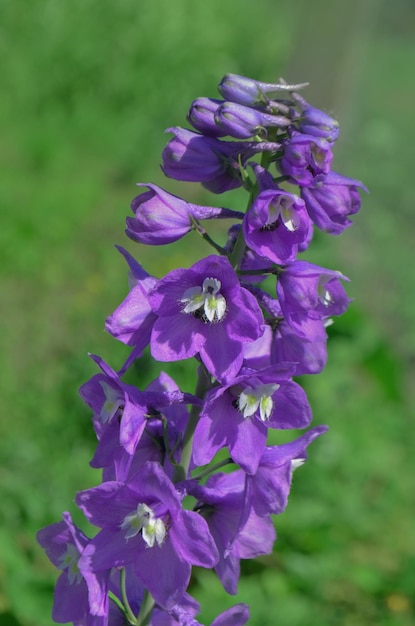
239, 415
282, 207
305, 289
69, 561
204, 310
152, 529
324, 295
207, 298
146, 512
276, 225
259, 397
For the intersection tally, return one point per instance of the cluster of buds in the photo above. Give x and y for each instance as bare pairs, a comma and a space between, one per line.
189, 478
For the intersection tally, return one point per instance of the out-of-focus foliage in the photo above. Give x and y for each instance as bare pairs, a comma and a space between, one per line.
88, 87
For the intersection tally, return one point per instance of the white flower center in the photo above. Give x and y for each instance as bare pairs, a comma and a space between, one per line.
112, 404
323, 293
69, 561
206, 300
295, 463
282, 207
251, 399
153, 530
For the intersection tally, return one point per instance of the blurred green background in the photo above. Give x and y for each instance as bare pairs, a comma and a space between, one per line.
87, 89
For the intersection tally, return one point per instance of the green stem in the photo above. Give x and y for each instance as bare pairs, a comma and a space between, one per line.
236, 256
202, 232
147, 605
118, 602
202, 386
209, 470
127, 609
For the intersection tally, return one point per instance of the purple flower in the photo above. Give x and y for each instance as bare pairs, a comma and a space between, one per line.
330, 202
251, 92
79, 596
269, 488
305, 289
162, 218
315, 122
242, 122
305, 158
216, 164
238, 415
143, 524
276, 224
305, 345
122, 412
202, 117
238, 534
204, 310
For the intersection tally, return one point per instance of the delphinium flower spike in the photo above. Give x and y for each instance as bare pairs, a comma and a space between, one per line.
165, 502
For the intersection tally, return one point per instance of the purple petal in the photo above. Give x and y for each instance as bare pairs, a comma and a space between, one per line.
175, 338
192, 540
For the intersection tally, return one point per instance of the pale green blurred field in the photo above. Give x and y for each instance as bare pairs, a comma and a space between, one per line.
87, 90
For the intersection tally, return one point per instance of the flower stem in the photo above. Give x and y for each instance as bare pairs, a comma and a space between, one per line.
127, 609
203, 233
213, 468
147, 605
202, 386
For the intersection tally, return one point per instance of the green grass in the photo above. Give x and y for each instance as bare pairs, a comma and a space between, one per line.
88, 88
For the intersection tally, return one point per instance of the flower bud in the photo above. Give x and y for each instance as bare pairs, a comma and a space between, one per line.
161, 217
246, 91
242, 122
317, 123
192, 157
329, 203
202, 116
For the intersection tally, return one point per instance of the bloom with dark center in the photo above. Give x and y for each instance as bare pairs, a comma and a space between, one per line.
143, 524
204, 310
276, 224
239, 415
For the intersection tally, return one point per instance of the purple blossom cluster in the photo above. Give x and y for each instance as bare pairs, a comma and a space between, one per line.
188, 479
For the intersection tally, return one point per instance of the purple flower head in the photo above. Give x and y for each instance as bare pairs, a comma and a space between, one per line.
114, 402
238, 415
251, 92
269, 488
242, 122
330, 202
281, 344
204, 310
122, 412
238, 534
79, 596
315, 122
143, 524
305, 346
305, 158
202, 117
216, 164
276, 224
162, 218
305, 289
